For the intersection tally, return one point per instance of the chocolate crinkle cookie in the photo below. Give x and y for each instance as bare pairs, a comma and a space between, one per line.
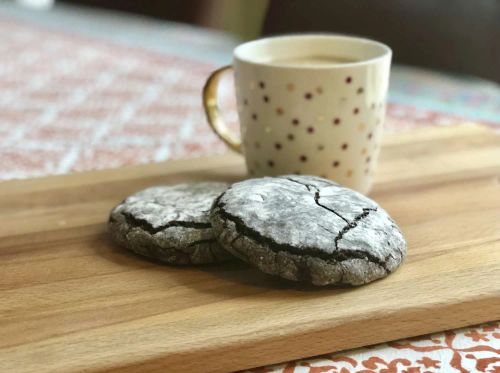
170, 223
305, 228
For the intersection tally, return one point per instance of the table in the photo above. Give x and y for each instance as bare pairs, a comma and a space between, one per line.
76, 97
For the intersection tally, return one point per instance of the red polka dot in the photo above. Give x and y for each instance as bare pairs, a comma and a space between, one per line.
270, 163
348, 80
262, 85
355, 111
310, 129
277, 146
279, 111
254, 116
303, 158
290, 136
345, 146
336, 121
295, 121
308, 96
335, 163
265, 98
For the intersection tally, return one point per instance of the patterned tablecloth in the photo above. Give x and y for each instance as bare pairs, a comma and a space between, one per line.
82, 90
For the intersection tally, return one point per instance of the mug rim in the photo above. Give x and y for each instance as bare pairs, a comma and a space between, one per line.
386, 51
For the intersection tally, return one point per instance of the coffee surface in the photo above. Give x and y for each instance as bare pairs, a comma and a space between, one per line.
312, 60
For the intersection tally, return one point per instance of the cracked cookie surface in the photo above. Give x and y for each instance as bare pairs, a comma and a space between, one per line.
306, 228
169, 223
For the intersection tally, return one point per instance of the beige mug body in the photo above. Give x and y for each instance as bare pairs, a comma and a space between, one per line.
303, 109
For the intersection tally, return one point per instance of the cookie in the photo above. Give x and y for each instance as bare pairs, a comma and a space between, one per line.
169, 223
305, 228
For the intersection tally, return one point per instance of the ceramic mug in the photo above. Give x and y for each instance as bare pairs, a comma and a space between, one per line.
307, 104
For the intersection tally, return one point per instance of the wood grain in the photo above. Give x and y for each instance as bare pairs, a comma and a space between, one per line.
72, 301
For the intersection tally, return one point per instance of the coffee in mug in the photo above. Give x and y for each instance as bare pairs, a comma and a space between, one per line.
313, 60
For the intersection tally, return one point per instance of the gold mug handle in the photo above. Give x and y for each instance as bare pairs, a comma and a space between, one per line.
212, 112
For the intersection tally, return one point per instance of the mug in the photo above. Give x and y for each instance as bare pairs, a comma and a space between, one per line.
307, 104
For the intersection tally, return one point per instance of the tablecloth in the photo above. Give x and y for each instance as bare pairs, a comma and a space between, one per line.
82, 90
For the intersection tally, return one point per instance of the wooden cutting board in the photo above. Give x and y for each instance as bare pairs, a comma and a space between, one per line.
72, 301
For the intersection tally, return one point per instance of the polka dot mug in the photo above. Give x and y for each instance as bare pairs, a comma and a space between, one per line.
307, 104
